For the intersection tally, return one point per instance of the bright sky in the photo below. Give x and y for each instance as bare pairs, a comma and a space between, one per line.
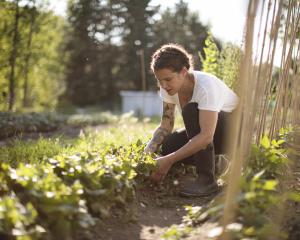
226, 17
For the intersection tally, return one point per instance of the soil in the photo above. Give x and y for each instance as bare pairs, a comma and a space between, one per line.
154, 215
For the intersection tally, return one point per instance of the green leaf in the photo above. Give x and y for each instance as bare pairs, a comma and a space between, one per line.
274, 143
294, 196
250, 195
270, 185
265, 142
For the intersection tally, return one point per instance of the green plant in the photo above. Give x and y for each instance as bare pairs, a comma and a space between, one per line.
269, 156
223, 63
30, 152
259, 199
229, 64
212, 54
65, 192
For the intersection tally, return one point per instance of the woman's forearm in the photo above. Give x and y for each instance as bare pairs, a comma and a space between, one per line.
157, 139
164, 129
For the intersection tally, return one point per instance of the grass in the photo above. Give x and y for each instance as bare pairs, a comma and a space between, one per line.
30, 152
89, 139
121, 130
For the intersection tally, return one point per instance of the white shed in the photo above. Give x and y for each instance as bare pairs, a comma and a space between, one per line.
147, 103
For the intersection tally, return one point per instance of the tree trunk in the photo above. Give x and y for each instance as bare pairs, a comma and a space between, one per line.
28, 56
12, 59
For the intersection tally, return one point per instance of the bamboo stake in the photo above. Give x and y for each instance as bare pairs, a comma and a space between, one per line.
274, 34
288, 89
260, 84
264, 104
288, 62
294, 109
287, 97
259, 30
282, 69
289, 83
238, 128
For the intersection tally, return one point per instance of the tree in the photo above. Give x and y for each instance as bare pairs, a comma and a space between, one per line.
31, 65
32, 15
92, 55
6, 23
138, 29
13, 56
182, 26
82, 70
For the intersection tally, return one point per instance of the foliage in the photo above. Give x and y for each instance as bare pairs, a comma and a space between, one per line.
223, 63
138, 36
274, 155
229, 64
72, 61
260, 195
133, 30
31, 152
176, 233
94, 74
67, 191
181, 25
17, 219
99, 118
13, 123
41, 63
212, 54
83, 69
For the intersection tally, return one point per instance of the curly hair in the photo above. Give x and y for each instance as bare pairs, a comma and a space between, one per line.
172, 56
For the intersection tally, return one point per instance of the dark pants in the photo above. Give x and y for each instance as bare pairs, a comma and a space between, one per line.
204, 160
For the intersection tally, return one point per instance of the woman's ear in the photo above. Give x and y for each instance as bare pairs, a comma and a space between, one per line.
184, 71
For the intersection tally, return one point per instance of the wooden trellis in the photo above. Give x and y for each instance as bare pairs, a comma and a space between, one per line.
265, 106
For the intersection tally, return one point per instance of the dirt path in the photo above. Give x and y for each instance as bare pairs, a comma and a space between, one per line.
154, 217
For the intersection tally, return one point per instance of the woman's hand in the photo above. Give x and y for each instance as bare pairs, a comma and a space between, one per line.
164, 164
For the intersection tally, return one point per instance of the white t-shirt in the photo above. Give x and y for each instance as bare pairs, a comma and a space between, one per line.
209, 92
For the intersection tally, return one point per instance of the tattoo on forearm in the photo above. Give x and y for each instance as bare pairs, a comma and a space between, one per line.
166, 111
172, 122
158, 138
160, 135
168, 114
165, 129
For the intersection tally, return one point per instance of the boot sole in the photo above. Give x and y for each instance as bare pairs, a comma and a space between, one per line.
187, 194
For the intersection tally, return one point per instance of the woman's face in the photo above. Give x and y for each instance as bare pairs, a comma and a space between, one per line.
169, 80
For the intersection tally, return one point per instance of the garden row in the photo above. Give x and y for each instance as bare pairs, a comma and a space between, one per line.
12, 124
62, 195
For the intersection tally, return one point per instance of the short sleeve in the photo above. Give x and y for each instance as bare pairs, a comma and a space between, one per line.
166, 97
210, 99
